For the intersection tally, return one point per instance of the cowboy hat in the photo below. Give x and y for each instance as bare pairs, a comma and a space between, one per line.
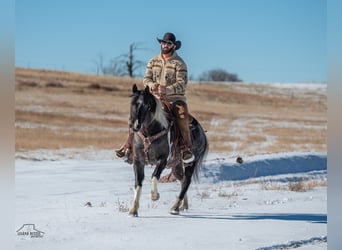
170, 37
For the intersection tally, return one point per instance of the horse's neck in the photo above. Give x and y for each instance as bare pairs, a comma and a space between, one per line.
160, 115
152, 128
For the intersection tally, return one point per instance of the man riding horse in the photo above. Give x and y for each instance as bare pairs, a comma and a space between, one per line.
167, 77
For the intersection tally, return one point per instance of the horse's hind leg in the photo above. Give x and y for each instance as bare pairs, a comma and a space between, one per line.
184, 205
179, 205
182, 200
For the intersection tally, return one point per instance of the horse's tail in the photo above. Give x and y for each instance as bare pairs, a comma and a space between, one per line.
201, 151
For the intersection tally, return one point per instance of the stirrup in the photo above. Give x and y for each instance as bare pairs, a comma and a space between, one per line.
129, 156
121, 152
188, 157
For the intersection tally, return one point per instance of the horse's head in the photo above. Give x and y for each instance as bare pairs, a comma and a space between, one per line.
143, 107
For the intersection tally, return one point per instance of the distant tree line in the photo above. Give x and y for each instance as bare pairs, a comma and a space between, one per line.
128, 65
218, 75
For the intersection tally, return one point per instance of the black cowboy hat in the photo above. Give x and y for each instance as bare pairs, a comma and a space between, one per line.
170, 37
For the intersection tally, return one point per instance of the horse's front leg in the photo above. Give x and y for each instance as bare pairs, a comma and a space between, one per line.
155, 178
135, 205
139, 177
154, 190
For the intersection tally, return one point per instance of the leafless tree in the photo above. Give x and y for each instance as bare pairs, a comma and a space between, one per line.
123, 65
115, 68
132, 65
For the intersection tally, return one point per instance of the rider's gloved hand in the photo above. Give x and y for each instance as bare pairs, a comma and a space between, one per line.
161, 90
154, 87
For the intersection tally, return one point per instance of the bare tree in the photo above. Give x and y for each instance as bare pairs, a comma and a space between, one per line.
132, 65
123, 65
114, 68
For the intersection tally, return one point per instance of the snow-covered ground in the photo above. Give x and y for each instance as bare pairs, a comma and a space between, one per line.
81, 202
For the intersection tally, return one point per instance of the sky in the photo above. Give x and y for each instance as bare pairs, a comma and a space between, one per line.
259, 40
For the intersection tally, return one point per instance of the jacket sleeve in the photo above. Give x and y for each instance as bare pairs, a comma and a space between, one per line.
148, 76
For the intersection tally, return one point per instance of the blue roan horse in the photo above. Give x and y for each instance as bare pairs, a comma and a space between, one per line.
152, 144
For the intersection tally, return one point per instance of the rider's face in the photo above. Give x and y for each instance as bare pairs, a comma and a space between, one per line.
167, 47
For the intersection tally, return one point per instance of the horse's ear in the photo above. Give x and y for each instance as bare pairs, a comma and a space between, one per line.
134, 88
147, 89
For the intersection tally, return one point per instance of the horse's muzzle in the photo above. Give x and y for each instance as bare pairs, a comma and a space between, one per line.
136, 125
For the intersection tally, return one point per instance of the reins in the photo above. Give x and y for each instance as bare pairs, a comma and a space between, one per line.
149, 139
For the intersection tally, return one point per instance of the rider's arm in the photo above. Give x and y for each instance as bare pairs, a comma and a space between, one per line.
148, 76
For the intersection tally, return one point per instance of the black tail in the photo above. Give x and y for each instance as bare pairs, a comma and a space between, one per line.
200, 146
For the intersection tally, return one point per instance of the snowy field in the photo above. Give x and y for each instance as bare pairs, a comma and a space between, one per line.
82, 202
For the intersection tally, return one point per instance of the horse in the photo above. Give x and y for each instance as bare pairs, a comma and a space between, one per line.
153, 143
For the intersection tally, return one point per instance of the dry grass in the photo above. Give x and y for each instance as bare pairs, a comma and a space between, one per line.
69, 110
303, 186
294, 186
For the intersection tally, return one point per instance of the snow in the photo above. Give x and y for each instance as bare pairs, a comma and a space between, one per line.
80, 200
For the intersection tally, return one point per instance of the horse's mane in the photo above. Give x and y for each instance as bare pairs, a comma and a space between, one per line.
160, 115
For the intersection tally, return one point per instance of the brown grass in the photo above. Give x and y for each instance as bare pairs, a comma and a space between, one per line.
303, 186
295, 186
68, 110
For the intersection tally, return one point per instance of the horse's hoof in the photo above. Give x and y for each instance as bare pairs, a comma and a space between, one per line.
154, 196
183, 208
133, 214
174, 211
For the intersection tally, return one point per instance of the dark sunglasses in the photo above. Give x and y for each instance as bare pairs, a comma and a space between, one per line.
169, 44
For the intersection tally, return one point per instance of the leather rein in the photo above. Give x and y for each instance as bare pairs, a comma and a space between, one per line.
149, 139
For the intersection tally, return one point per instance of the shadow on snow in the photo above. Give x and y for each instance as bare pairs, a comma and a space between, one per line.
312, 218
226, 171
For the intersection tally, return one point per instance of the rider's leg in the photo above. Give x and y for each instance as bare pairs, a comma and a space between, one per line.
181, 113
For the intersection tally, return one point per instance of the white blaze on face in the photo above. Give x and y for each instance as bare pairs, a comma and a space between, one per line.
136, 124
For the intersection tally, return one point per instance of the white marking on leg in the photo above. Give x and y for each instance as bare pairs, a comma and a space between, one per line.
135, 205
184, 205
137, 194
154, 190
154, 184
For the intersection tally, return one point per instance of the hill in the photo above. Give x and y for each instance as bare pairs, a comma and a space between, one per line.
57, 109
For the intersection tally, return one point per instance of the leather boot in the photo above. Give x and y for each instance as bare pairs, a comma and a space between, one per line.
126, 149
182, 120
